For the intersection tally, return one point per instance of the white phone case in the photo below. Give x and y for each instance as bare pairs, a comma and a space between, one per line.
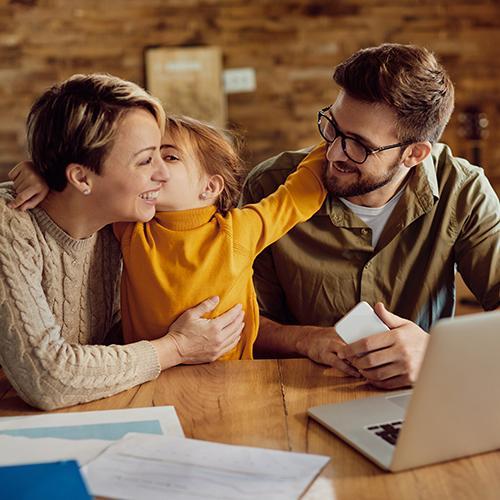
360, 322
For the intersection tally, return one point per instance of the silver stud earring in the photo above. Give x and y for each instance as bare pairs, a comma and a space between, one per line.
86, 191
203, 195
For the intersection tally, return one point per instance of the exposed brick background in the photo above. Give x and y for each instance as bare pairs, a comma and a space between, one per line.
293, 46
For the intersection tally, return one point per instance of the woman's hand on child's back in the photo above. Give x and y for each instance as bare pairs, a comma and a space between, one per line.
192, 339
30, 188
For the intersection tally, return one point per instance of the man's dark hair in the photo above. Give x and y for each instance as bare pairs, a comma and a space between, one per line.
407, 78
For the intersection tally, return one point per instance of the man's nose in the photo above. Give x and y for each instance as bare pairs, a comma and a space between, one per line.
335, 151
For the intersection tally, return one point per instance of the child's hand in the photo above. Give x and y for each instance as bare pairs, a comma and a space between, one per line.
30, 188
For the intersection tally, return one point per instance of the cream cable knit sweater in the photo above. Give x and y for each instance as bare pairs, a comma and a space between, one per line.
59, 297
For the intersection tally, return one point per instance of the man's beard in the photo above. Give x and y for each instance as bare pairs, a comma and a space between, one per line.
361, 185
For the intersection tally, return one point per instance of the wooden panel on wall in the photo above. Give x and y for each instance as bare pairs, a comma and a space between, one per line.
293, 45
188, 81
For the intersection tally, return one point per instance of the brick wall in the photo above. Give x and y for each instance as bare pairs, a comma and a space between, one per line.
293, 46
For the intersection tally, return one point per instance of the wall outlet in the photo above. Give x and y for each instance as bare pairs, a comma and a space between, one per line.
239, 80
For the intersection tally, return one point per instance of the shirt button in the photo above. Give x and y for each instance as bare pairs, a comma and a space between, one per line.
364, 231
368, 265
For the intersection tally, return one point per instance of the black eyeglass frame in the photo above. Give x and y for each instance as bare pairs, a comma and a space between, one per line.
368, 151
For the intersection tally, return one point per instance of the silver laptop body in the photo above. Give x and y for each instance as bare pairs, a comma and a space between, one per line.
453, 410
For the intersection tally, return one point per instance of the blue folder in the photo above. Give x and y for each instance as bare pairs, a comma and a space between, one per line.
54, 480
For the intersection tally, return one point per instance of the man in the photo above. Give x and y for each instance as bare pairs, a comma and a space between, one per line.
401, 216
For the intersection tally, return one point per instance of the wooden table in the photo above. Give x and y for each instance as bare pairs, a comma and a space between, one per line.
263, 403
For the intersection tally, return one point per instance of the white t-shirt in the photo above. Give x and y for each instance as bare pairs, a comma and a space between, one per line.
375, 218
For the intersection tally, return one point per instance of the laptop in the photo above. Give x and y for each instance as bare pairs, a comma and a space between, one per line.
453, 410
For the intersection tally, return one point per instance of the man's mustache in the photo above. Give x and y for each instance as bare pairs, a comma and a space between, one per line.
345, 166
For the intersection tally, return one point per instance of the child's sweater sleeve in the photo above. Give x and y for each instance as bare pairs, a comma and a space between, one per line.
258, 225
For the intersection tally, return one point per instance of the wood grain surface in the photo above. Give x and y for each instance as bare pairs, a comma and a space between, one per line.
264, 403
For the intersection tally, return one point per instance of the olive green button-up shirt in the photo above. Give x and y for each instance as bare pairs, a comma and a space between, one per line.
448, 218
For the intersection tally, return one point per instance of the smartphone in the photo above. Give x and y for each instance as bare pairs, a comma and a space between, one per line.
360, 322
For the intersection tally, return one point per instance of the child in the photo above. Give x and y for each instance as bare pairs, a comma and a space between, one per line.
198, 244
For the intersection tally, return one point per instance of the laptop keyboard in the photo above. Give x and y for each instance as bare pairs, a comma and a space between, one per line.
388, 432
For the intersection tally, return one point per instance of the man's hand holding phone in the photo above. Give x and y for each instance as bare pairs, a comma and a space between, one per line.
360, 322
388, 359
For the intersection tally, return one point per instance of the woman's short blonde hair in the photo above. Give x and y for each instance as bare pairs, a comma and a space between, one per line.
77, 120
216, 151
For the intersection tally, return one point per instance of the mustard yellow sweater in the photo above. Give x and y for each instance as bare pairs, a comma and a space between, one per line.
181, 258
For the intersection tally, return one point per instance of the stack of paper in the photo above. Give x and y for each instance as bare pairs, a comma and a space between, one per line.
159, 467
142, 453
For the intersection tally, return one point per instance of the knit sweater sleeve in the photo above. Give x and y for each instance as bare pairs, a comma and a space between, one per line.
46, 370
258, 225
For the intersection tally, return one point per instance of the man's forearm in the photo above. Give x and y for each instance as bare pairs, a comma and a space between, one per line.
318, 343
281, 341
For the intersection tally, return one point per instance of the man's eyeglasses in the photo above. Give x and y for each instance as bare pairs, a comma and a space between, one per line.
354, 149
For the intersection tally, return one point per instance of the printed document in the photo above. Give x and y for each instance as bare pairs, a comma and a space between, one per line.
159, 467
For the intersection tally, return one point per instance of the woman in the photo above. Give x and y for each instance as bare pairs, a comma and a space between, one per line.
95, 140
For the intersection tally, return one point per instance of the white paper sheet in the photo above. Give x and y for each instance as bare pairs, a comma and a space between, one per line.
17, 450
80, 436
159, 467
109, 425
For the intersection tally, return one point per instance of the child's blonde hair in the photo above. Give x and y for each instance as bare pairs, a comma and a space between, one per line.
216, 150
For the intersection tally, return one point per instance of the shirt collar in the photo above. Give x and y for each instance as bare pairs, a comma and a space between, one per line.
429, 170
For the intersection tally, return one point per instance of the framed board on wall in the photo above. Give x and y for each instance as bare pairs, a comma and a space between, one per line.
188, 80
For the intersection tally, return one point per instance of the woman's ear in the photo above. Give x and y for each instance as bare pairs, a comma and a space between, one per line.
78, 176
416, 153
213, 187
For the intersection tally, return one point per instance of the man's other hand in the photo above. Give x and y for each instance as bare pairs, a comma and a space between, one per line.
322, 345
